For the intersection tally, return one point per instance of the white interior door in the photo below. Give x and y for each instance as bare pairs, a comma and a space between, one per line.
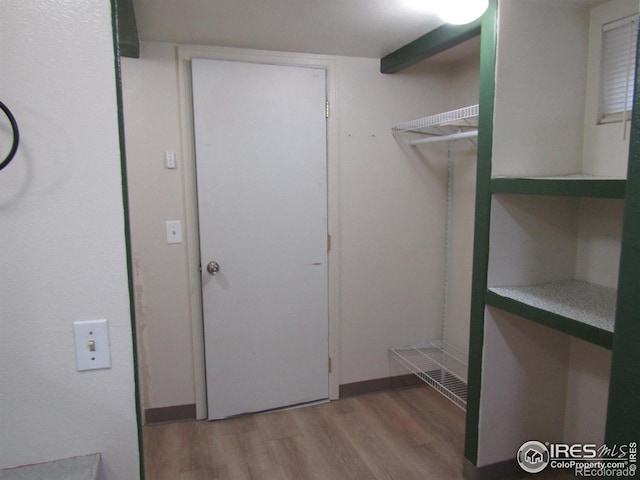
260, 138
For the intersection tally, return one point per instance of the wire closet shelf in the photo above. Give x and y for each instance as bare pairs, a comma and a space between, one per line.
453, 125
439, 365
436, 362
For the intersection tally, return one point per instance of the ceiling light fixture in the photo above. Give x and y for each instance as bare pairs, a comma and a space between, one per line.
460, 12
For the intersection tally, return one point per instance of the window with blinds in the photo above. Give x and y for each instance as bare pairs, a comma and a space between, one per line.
618, 60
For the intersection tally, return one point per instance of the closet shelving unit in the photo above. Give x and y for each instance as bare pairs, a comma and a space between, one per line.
541, 231
436, 362
520, 374
577, 308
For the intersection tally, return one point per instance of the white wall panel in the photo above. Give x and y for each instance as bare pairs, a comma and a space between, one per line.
62, 244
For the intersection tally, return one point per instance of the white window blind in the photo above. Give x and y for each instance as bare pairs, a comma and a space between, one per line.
618, 61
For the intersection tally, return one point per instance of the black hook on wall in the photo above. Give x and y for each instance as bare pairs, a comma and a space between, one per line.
16, 136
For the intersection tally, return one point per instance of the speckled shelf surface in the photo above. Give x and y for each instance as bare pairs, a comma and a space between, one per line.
584, 302
572, 176
86, 467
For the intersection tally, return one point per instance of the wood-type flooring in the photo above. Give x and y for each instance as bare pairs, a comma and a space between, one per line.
408, 434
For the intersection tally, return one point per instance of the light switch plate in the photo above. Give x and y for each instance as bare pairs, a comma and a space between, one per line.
93, 351
170, 159
174, 231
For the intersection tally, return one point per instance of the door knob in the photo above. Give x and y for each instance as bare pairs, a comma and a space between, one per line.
213, 268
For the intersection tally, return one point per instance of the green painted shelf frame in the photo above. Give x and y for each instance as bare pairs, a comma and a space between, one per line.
560, 187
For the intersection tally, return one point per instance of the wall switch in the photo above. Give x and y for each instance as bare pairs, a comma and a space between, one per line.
174, 232
170, 159
92, 345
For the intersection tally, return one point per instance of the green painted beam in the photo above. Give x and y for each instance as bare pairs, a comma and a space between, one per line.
488, 48
560, 187
623, 412
128, 43
430, 44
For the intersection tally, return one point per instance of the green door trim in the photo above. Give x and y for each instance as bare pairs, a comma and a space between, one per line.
115, 4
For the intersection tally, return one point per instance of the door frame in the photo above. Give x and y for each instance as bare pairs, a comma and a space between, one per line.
184, 54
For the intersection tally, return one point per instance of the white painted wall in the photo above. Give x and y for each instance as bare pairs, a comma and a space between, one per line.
392, 217
540, 89
599, 239
160, 271
388, 209
62, 245
524, 385
587, 393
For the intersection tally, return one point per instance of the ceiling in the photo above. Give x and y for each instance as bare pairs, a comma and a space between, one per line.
359, 28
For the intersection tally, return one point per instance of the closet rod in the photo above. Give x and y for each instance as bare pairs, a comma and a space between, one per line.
443, 138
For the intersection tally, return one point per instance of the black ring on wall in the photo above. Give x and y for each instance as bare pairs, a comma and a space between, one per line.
16, 136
